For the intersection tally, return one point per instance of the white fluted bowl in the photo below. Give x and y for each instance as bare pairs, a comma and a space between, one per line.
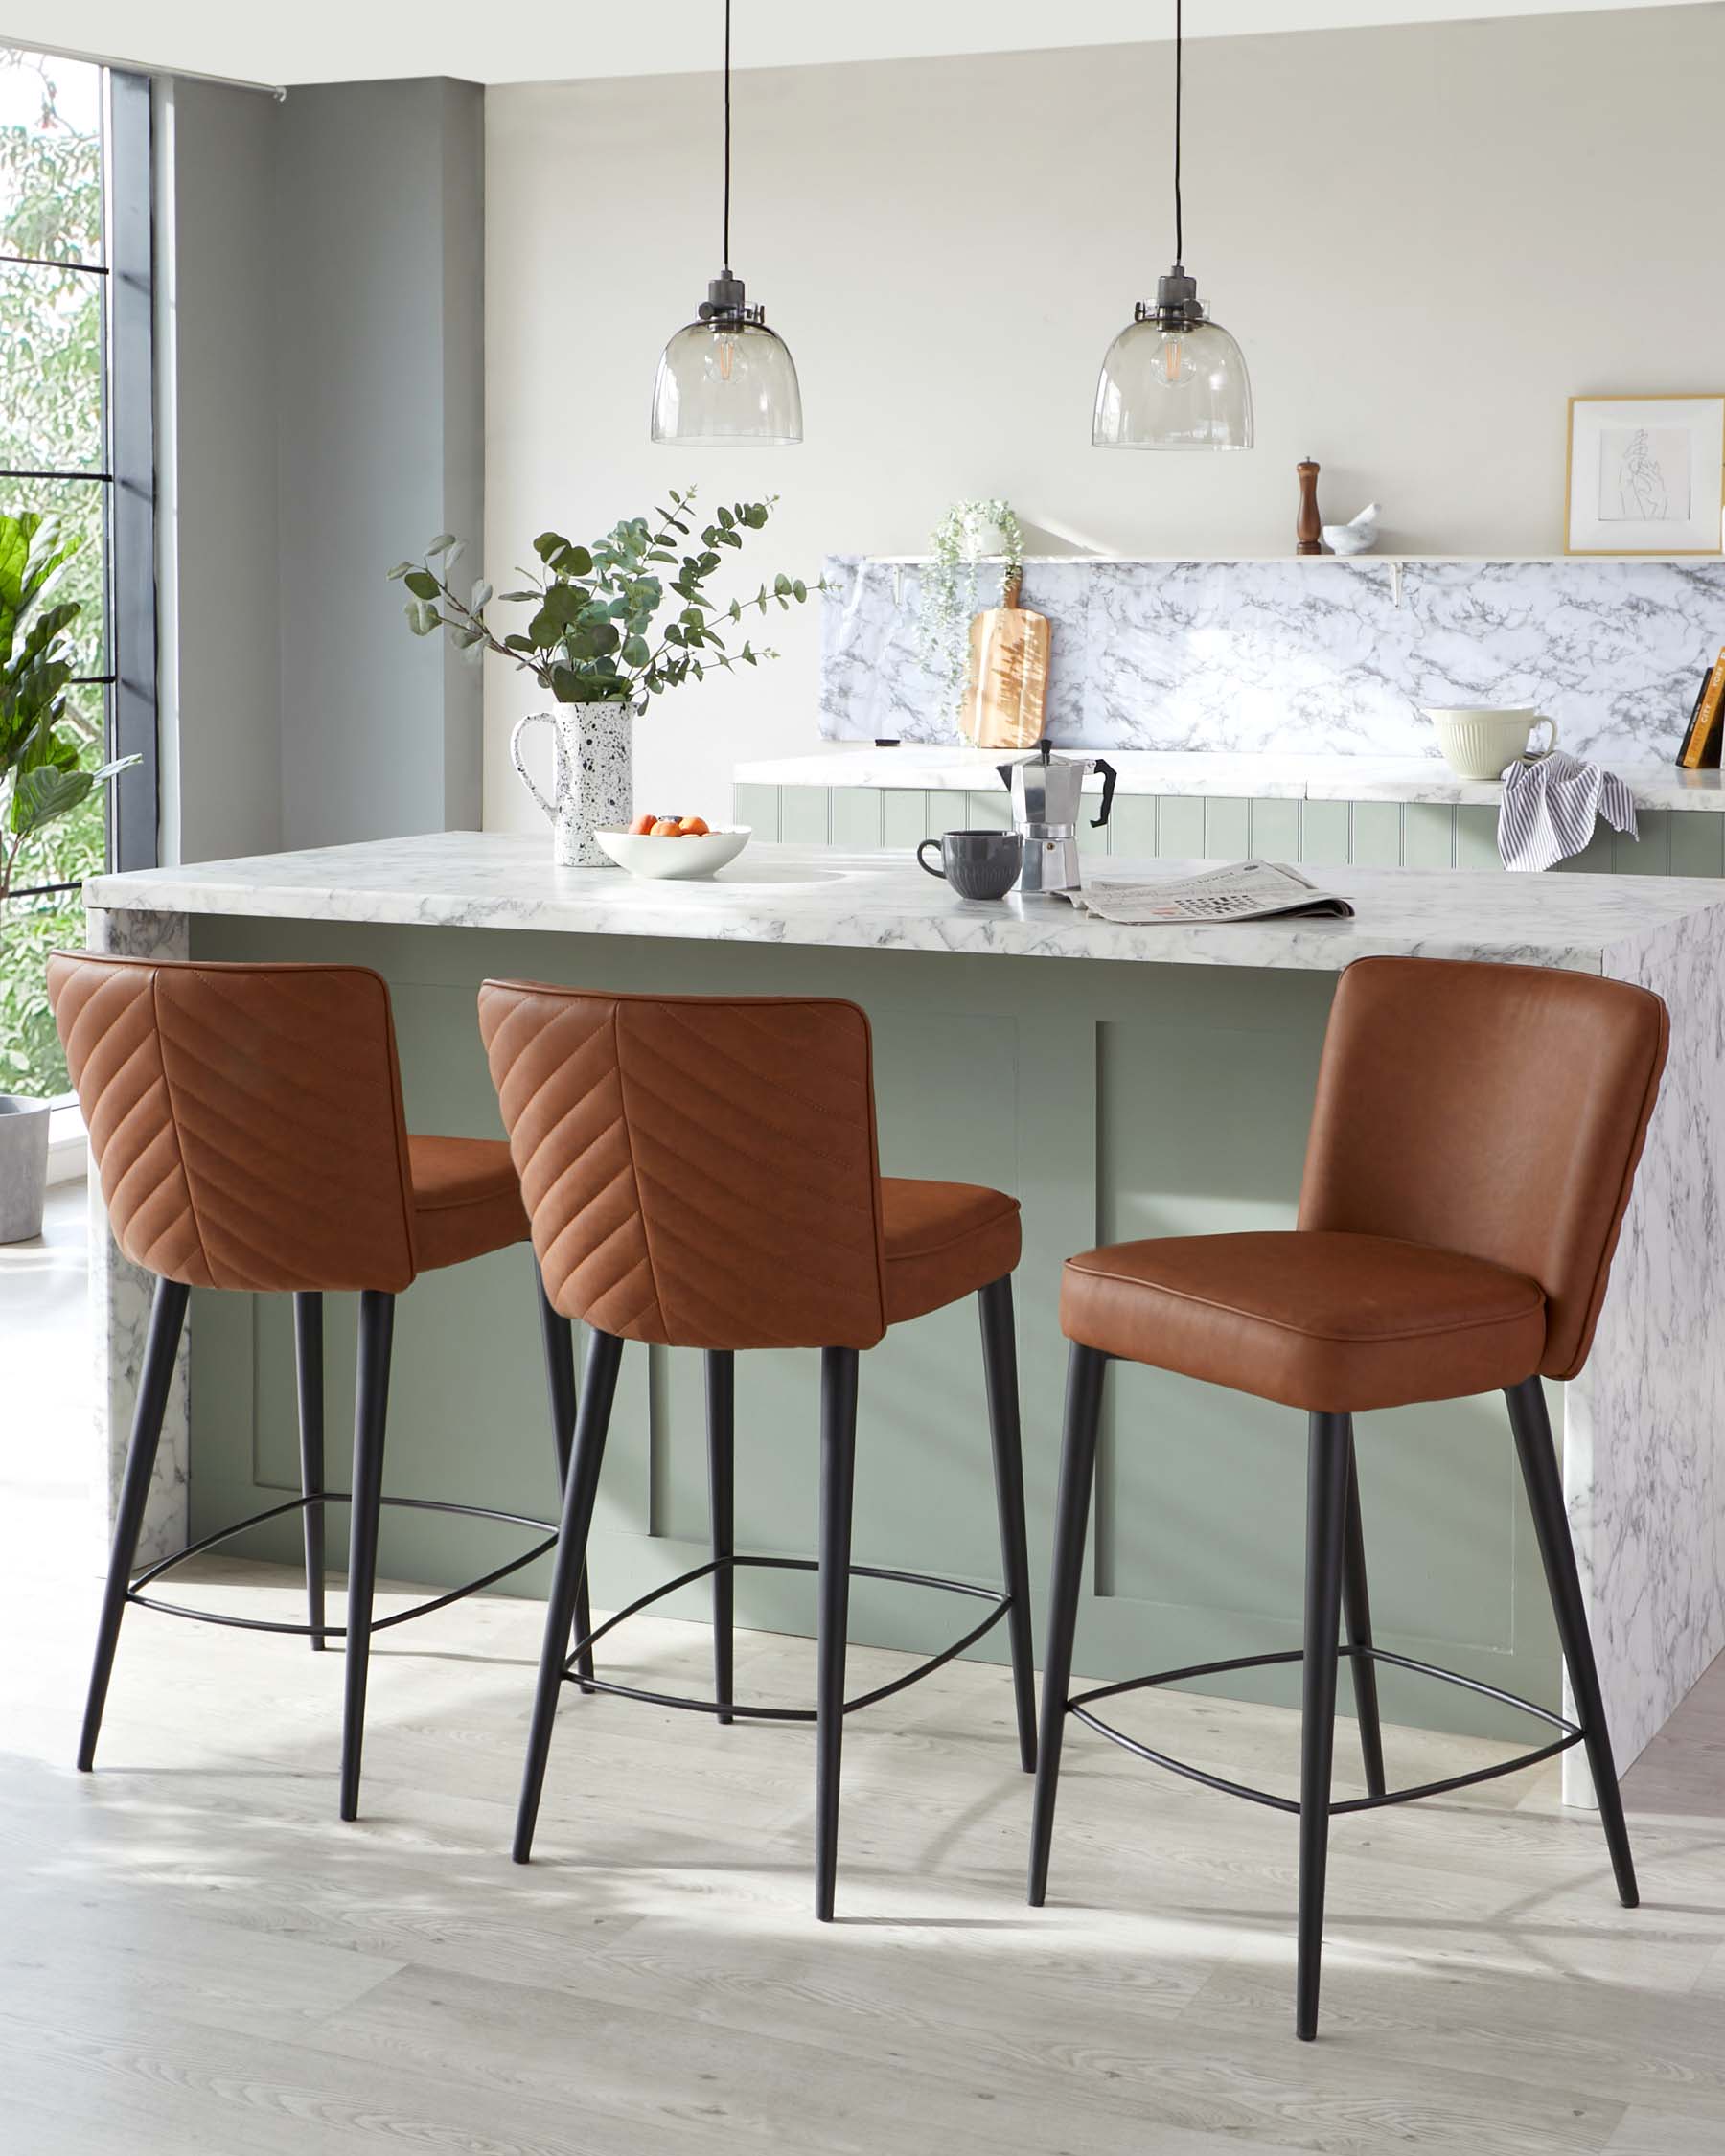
680, 859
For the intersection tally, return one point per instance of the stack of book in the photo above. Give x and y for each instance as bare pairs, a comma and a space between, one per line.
1701, 737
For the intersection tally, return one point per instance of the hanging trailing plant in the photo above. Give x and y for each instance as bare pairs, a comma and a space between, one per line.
970, 532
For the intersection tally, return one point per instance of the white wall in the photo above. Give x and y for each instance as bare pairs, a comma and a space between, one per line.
1426, 238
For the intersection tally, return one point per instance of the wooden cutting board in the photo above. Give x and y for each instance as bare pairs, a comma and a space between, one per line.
1008, 680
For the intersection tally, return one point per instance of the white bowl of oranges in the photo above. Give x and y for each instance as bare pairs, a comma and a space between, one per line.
679, 846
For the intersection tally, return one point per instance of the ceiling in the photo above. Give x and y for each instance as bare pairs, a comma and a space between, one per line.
534, 41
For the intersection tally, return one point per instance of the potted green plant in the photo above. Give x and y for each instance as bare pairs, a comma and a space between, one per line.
613, 624
42, 779
969, 534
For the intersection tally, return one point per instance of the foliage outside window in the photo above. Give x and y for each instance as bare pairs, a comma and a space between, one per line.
53, 418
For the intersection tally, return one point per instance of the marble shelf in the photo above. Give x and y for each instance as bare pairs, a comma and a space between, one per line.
1243, 775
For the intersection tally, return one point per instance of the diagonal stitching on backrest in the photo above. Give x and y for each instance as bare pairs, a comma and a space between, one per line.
185, 1166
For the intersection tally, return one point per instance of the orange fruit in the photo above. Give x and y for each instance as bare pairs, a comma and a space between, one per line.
642, 825
665, 828
694, 827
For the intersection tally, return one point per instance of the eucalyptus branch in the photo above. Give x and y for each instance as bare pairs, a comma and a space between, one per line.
598, 632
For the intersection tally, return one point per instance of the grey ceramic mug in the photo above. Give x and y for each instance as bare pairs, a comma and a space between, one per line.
978, 864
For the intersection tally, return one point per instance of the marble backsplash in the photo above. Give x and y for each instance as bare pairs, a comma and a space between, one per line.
1320, 658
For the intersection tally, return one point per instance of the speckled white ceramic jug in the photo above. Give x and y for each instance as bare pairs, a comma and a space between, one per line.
593, 777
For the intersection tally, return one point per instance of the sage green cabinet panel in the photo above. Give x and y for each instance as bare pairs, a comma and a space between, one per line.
903, 818
1377, 833
1324, 833
990, 810
1649, 852
1476, 838
1132, 826
1179, 828
1698, 842
758, 807
1227, 828
856, 817
1114, 1100
805, 816
1320, 833
1275, 831
1428, 835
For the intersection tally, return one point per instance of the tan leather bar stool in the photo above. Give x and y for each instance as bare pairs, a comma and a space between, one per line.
248, 1124
1476, 1133
701, 1171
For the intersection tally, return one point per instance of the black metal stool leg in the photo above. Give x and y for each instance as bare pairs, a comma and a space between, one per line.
1356, 1610
1085, 1367
1330, 1443
999, 1369
837, 1479
371, 1408
308, 1372
1533, 1445
581, 1487
721, 1487
558, 1335
167, 1317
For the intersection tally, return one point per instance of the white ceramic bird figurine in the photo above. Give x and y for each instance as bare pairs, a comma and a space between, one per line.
1359, 537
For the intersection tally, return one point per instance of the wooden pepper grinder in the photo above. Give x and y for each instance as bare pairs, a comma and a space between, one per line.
1309, 530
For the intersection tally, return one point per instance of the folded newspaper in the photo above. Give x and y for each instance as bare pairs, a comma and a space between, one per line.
1253, 891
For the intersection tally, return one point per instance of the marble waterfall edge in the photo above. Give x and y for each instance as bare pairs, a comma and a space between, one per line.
1315, 657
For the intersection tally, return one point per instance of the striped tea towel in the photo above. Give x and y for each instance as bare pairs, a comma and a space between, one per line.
1548, 807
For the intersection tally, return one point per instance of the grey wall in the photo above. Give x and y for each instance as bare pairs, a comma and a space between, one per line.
1419, 235
323, 371
216, 454
381, 371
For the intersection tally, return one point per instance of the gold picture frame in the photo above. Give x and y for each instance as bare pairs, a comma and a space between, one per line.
1644, 476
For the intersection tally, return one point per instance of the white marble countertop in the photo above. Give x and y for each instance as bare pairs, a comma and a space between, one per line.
882, 900
1250, 776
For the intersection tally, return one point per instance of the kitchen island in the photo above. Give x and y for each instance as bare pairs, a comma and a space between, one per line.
1121, 1082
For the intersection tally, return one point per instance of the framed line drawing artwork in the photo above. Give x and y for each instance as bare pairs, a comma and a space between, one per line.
1646, 474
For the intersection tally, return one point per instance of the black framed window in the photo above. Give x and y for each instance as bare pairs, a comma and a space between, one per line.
77, 443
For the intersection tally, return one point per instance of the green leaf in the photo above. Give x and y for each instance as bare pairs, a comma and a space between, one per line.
421, 616
781, 586
400, 570
42, 795
481, 599
636, 652
440, 544
549, 543
799, 589
422, 584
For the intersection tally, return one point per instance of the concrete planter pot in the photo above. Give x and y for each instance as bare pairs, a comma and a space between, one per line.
23, 1166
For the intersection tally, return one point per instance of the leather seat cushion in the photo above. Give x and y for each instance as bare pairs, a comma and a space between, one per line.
943, 1241
1331, 1322
467, 1200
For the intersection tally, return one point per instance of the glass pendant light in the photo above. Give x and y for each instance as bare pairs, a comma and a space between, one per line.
1173, 378
725, 378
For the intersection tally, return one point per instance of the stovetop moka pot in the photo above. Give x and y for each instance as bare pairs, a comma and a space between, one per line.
1047, 791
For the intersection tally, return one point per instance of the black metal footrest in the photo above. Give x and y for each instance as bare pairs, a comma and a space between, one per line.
1079, 1706
134, 1593
1001, 1604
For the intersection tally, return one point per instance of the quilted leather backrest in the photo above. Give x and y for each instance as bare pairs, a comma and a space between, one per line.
1499, 1111
245, 1120
700, 1171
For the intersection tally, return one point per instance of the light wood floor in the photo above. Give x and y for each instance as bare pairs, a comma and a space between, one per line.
194, 1955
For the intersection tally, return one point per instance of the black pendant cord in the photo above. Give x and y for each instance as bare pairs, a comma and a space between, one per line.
726, 248
1179, 70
